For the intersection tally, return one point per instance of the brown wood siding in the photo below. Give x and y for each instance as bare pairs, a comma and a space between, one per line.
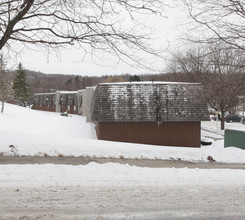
72, 109
44, 107
185, 134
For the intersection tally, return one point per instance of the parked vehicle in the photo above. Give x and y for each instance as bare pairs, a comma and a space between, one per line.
233, 118
213, 117
243, 120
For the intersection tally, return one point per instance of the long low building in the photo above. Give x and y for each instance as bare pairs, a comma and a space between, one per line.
72, 102
60, 101
158, 113
44, 101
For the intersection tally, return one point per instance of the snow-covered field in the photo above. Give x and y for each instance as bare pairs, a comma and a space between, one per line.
26, 132
37, 133
111, 190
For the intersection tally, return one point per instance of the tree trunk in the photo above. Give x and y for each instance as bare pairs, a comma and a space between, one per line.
2, 107
222, 121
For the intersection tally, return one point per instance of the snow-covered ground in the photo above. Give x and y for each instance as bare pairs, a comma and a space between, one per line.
29, 132
111, 190
113, 174
26, 132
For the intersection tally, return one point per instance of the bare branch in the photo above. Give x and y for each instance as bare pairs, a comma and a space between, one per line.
12, 22
218, 21
108, 25
221, 71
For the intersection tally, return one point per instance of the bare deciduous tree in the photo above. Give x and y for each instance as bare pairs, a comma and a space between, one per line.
218, 21
5, 84
93, 25
220, 70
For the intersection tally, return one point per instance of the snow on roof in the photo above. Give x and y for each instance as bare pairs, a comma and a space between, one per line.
68, 92
53, 93
150, 82
144, 101
48, 93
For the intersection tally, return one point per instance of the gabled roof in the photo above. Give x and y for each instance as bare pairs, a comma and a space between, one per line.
147, 101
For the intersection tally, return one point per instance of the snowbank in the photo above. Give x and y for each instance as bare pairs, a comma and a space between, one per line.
111, 174
36, 133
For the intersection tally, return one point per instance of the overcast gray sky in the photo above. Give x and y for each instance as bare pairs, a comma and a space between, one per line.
72, 61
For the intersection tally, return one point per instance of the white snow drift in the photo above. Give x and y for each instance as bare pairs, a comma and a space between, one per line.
112, 174
29, 132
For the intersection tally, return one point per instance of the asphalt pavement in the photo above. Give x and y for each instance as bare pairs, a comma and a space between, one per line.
133, 162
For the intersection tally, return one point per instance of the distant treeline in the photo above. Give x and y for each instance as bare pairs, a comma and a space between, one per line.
41, 82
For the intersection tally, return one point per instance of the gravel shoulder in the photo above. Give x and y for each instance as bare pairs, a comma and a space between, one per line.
132, 162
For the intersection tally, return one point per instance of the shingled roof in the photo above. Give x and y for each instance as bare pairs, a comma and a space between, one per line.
149, 102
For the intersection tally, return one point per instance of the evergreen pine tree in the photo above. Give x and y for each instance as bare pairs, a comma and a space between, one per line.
134, 78
21, 86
